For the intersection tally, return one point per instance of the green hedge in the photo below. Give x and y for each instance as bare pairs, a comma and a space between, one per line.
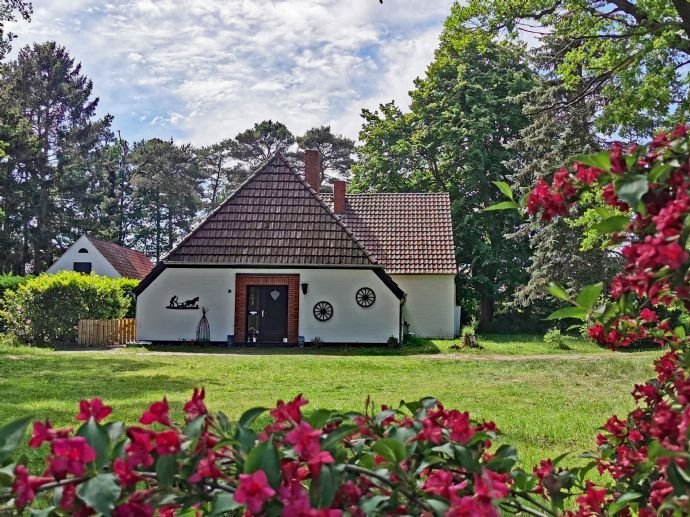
46, 309
11, 282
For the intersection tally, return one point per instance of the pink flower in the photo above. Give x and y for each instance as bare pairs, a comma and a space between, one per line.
70, 456
289, 412
206, 469
133, 509
617, 160
25, 485
157, 413
124, 473
196, 407
592, 499
491, 485
254, 491
94, 408
167, 442
44, 432
649, 315
141, 445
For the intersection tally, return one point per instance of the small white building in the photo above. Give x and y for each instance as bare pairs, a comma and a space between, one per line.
91, 255
278, 262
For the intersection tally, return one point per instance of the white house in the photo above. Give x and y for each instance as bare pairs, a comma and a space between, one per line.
279, 261
91, 255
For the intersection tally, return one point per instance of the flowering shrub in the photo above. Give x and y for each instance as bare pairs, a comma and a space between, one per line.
421, 458
646, 454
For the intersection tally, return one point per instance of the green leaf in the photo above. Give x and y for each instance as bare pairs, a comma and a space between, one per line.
504, 459
248, 417
98, 439
505, 189
319, 418
600, 160
223, 503
194, 428
631, 189
100, 493
679, 332
568, 312
43, 513
390, 449
617, 223
334, 437
10, 436
503, 205
166, 468
265, 457
659, 172
589, 296
115, 430
323, 491
622, 502
557, 291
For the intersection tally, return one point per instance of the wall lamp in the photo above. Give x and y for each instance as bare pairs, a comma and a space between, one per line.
305, 288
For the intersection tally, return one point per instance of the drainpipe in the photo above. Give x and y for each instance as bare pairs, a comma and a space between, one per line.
400, 320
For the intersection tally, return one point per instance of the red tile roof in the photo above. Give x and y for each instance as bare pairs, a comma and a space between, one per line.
274, 218
129, 263
408, 233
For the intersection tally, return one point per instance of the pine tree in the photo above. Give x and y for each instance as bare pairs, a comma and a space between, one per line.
55, 179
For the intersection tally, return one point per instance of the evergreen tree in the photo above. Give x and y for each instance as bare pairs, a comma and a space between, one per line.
544, 146
54, 179
224, 174
337, 152
254, 146
167, 194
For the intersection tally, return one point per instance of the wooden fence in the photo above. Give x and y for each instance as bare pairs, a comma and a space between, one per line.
107, 332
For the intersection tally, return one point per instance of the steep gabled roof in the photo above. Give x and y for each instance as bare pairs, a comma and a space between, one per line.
409, 233
274, 218
129, 263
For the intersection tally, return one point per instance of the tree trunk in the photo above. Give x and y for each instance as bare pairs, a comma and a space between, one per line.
486, 311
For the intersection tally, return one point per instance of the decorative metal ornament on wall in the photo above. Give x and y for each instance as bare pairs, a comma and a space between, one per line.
275, 294
174, 303
203, 329
323, 311
365, 297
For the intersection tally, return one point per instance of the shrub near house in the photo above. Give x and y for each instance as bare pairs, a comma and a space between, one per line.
46, 309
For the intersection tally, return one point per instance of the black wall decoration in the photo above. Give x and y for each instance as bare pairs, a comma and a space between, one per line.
323, 311
187, 304
203, 329
365, 297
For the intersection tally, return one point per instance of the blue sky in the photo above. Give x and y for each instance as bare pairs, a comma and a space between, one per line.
203, 70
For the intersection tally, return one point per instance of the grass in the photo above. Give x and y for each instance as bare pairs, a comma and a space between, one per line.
545, 406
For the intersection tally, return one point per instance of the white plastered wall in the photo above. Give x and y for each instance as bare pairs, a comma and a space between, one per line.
350, 322
99, 265
430, 305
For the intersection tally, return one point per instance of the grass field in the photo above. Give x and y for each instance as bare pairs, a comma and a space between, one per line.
545, 405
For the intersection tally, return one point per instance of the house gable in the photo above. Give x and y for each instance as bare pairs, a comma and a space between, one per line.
275, 218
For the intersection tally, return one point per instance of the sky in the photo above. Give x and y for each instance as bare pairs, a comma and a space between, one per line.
203, 70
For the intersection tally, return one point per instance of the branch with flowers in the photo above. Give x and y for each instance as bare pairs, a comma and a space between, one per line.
420, 458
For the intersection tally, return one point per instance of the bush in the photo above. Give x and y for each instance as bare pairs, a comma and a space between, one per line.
11, 282
46, 309
555, 339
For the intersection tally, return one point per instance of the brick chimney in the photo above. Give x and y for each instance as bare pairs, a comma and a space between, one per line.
312, 168
339, 196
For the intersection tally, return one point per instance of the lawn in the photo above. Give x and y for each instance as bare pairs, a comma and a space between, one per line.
544, 405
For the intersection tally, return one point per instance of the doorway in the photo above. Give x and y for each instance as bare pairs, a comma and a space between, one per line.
267, 313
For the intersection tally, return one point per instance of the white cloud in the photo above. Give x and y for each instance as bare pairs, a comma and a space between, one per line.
205, 69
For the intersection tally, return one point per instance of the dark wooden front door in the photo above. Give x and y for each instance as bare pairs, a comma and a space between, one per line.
267, 308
